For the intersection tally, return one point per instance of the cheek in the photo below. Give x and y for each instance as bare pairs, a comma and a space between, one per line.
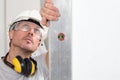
17, 37
16, 41
37, 43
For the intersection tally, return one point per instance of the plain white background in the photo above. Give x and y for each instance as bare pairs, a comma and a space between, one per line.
2, 28
96, 40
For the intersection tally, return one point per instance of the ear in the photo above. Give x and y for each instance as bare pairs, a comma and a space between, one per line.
39, 43
11, 32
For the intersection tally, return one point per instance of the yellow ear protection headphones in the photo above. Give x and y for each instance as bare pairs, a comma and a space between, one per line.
27, 66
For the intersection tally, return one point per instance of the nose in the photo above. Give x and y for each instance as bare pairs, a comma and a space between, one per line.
31, 32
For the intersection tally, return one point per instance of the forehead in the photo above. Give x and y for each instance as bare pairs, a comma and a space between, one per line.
28, 23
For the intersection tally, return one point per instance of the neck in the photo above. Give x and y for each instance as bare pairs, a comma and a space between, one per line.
15, 51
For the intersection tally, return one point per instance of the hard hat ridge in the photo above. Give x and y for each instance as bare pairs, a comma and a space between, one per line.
32, 16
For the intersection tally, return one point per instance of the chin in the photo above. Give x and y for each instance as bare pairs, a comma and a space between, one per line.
29, 48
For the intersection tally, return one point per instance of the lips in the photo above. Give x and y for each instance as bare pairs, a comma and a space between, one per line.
28, 39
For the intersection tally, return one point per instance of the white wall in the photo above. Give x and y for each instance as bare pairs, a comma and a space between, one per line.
2, 27
96, 40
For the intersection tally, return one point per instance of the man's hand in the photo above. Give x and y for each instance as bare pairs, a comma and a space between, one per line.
49, 13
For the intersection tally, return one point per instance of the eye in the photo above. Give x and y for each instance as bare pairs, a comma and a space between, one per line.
25, 28
37, 31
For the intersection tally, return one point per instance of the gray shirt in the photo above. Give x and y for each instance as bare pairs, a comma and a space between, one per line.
7, 73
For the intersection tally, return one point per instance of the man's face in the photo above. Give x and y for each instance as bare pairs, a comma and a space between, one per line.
26, 36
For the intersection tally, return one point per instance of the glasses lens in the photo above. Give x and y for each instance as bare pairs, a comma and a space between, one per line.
37, 31
24, 28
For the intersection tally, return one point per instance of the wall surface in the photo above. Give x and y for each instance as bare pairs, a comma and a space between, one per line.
96, 40
2, 27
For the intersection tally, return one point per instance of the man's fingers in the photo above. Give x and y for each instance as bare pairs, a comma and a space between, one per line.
50, 15
49, 1
51, 7
51, 12
45, 22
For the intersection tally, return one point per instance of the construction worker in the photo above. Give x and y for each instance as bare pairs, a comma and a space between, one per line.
26, 32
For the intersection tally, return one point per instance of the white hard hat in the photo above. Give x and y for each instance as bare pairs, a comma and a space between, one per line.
32, 16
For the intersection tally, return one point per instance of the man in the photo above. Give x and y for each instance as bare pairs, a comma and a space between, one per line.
26, 33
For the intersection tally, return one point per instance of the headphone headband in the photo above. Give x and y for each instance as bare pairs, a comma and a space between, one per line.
8, 63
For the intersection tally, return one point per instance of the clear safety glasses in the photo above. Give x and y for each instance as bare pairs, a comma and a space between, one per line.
26, 27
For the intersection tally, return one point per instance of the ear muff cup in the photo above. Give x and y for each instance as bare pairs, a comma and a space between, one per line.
34, 66
24, 66
28, 66
19, 64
